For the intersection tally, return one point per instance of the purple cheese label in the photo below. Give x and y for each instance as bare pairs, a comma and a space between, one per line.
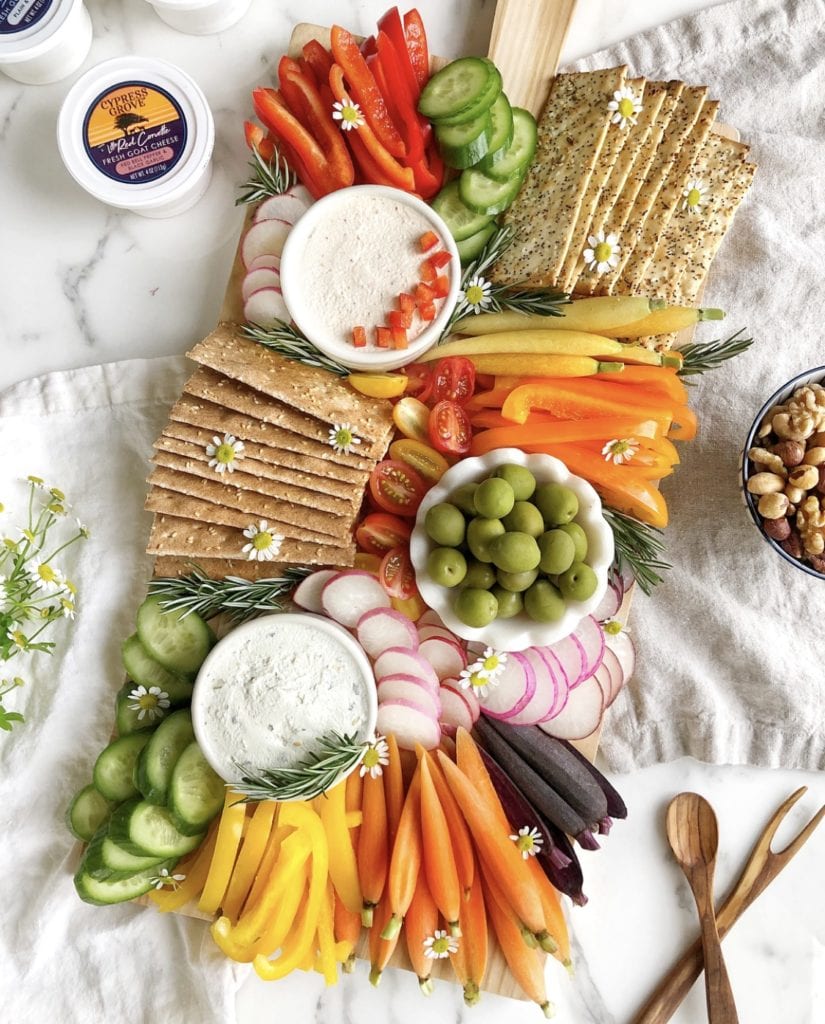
135, 132
18, 15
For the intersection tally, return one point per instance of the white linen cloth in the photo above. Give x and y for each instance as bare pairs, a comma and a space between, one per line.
89, 432
730, 654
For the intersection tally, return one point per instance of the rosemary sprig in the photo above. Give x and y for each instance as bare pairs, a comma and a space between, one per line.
699, 357
268, 178
309, 778
638, 548
240, 599
289, 342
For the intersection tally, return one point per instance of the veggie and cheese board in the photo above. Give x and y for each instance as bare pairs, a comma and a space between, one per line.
411, 483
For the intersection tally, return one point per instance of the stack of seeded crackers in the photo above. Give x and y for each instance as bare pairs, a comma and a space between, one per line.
631, 191
290, 476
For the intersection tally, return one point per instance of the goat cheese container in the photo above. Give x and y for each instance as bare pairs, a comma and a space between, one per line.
138, 134
42, 41
200, 17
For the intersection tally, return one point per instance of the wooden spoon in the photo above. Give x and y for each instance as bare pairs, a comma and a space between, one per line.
694, 838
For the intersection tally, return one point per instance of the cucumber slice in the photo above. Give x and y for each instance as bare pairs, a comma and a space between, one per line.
112, 774
106, 891
117, 860
197, 792
460, 219
146, 830
463, 145
180, 642
145, 671
159, 756
484, 195
481, 105
501, 114
458, 87
88, 810
470, 248
519, 154
126, 719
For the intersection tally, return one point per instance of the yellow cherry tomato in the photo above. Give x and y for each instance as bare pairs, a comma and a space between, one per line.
367, 562
411, 417
428, 463
413, 607
378, 385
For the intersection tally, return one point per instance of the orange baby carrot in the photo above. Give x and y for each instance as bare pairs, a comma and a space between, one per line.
470, 763
437, 851
381, 949
553, 913
373, 849
406, 859
347, 928
465, 860
473, 921
420, 924
393, 788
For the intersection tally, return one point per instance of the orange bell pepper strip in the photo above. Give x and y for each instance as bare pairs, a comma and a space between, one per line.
488, 419
230, 833
381, 161
249, 858
363, 88
419, 925
601, 428
369, 172
460, 840
475, 941
646, 462
373, 847
417, 46
685, 424
300, 148
658, 380
570, 401
405, 861
437, 852
195, 867
343, 868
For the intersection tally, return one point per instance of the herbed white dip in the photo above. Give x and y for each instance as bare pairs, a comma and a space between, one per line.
267, 694
356, 262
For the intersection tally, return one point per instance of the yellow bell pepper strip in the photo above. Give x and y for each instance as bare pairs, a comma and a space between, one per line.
570, 400
249, 859
327, 963
294, 949
378, 385
268, 862
196, 868
353, 800
599, 315
343, 868
601, 428
547, 342
230, 833
666, 321
354, 819
659, 381
284, 917
542, 365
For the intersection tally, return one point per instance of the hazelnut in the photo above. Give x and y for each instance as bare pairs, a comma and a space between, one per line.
793, 544
791, 452
817, 563
765, 483
773, 506
778, 529
814, 456
820, 487
817, 439
804, 477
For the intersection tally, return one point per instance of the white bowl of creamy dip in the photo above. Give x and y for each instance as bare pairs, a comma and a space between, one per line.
349, 258
270, 689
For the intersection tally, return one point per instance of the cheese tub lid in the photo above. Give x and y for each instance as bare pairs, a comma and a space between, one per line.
26, 26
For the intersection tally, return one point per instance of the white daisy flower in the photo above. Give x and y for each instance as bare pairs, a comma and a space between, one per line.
620, 450
529, 841
20, 640
348, 113
693, 195
84, 530
439, 945
163, 878
151, 702
68, 607
471, 678
602, 252
491, 663
224, 453
476, 295
263, 544
342, 438
376, 758
47, 578
626, 107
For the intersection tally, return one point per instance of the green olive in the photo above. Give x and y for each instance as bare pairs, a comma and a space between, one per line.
579, 539
558, 551
480, 533
446, 566
516, 581
444, 524
480, 575
515, 552
494, 498
579, 582
510, 603
543, 602
525, 518
519, 478
557, 503
476, 607
462, 497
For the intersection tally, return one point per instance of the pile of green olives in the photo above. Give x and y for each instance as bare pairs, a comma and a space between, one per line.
510, 545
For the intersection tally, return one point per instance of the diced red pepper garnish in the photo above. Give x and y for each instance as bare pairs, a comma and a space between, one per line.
442, 286
423, 294
440, 259
383, 337
393, 28
406, 303
417, 48
399, 337
428, 241
427, 311
300, 148
319, 59
398, 318
428, 272
359, 337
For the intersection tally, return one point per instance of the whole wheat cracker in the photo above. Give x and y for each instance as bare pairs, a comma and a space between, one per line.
172, 566
572, 130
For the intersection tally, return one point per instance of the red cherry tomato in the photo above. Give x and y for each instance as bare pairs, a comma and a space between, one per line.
449, 428
397, 488
396, 574
379, 532
454, 378
419, 381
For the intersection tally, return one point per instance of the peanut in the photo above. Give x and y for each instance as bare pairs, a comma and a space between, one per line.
765, 483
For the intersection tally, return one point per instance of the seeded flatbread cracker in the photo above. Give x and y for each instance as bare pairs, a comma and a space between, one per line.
195, 447
613, 144
173, 535
572, 130
185, 477
635, 139
217, 568
670, 193
316, 392
315, 457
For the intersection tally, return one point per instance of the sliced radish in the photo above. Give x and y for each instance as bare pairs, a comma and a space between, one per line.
430, 618
404, 660
581, 714
546, 696
467, 696
455, 712
569, 653
411, 688
511, 692
609, 676
350, 594
611, 602
381, 628
548, 655
267, 237
308, 592
590, 635
301, 192
265, 262
624, 649
429, 631
447, 657
266, 308
256, 280
409, 724
286, 206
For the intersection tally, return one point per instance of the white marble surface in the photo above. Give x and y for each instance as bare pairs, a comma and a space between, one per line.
82, 284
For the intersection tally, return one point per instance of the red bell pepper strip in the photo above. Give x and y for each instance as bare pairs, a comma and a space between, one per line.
376, 163
368, 47
256, 140
299, 147
318, 58
411, 129
307, 70
364, 90
429, 173
319, 120
417, 46
393, 28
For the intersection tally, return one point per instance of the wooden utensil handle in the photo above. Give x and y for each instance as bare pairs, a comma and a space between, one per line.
721, 1004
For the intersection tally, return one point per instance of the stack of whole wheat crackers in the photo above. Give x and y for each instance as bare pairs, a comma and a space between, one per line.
650, 188
288, 476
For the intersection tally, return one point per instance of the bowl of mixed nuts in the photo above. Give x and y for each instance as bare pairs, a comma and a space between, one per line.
783, 471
